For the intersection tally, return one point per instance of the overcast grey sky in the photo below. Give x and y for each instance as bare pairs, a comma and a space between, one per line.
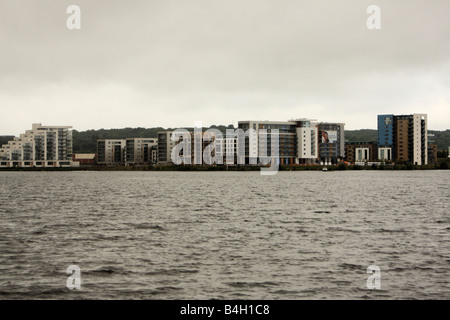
169, 63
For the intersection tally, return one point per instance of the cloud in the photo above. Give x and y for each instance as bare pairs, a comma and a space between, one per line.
169, 63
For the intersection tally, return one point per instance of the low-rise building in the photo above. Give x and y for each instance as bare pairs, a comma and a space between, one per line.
85, 159
359, 151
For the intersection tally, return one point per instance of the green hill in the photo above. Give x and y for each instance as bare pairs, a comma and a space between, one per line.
86, 141
441, 139
361, 135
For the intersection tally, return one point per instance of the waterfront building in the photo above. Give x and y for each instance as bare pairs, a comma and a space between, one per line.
287, 134
432, 154
298, 142
384, 154
331, 142
406, 137
226, 147
307, 136
165, 145
85, 159
359, 151
111, 152
198, 142
153, 154
42, 146
138, 150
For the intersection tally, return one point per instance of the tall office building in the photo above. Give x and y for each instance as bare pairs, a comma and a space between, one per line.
403, 137
42, 146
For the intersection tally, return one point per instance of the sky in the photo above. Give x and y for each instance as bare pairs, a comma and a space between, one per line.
169, 63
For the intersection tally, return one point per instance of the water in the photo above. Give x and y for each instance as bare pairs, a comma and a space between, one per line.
225, 235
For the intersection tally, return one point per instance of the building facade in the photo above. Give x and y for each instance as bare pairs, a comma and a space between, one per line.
226, 149
199, 141
331, 143
307, 141
85, 159
361, 152
165, 145
111, 152
298, 140
298, 143
405, 136
432, 154
42, 146
139, 150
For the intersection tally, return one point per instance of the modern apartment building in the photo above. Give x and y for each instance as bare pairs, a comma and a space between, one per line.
307, 141
198, 142
165, 145
287, 133
298, 143
139, 150
226, 148
301, 141
153, 154
42, 146
111, 152
405, 136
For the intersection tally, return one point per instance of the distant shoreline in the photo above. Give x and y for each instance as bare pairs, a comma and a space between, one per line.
443, 165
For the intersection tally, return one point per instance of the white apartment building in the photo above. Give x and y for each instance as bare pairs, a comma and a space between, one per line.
42, 146
298, 139
420, 139
226, 147
362, 154
307, 141
385, 153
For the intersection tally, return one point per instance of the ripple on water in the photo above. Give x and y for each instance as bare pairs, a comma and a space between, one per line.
227, 235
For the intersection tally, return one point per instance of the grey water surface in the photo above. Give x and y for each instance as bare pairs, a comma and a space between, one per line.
225, 235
